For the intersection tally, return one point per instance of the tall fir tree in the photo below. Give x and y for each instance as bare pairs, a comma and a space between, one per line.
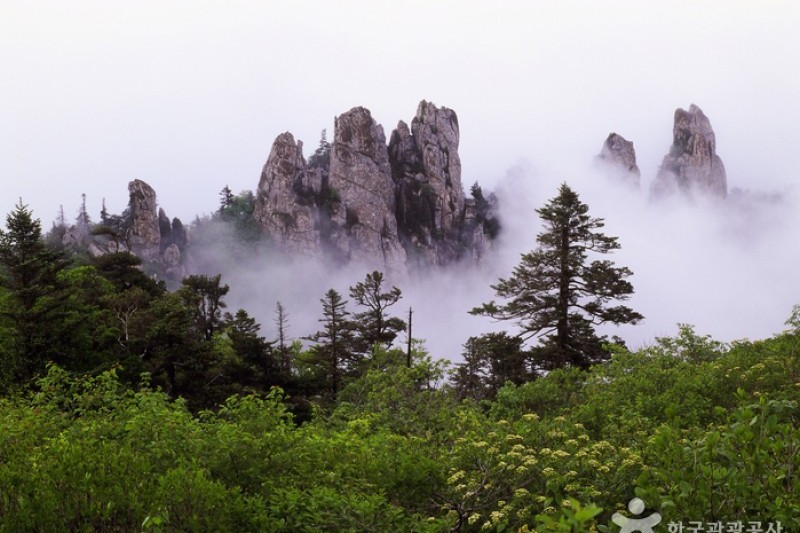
374, 325
491, 361
29, 271
204, 296
283, 349
557, 294
255, 366
333, 356
225, 199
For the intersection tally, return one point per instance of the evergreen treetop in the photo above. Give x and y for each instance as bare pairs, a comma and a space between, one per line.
557, 294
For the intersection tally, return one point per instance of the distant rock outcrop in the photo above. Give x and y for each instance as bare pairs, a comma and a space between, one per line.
692, 165
438, 225
618, 159
144, 233
284, 204
143, 229
362, 203
361, 200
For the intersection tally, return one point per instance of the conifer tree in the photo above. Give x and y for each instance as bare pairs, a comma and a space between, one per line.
255, 365
373, 324
491, 361
83, 222
333, 356
29, 270
225, 199
282, 323
322, 155
203, 295
557, 294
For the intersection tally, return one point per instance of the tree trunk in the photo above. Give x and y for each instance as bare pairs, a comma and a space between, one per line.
562, 327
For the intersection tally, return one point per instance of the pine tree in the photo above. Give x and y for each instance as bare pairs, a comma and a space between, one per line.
83, 221
255, 365
29, 270
373, 324
225, 199
491, 361
282, 323
333, 356
321, 157
557, 295
203, 295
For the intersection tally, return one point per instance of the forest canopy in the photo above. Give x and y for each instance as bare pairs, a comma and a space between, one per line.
128, 406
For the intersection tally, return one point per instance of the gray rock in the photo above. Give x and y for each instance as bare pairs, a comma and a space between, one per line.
436, 136
366, 202
144, 235
284, 204
618, 159
172, 262
362, 207
437, 224
692, 165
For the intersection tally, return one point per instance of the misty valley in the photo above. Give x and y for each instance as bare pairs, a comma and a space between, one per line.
364, 343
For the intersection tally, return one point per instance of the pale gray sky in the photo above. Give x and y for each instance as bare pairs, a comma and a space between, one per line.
189, 95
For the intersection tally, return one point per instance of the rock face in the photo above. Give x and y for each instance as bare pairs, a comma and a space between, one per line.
618, 159
437, 226
284, 202
692, 165
143, 229
361, 200
362, 212
144, 233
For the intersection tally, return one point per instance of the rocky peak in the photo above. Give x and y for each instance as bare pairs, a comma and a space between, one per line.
618, 159
358, 199
432, 210
436, 136
692, 164
362, 206
144, 234
283, 204
151, 236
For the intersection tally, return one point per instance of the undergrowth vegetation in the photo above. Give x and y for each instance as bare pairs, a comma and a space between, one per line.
699, 430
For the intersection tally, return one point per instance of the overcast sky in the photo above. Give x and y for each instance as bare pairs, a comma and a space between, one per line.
189, 96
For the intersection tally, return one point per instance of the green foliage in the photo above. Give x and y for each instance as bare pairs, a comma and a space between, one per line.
321, 158
333, 357
237, 211
34, 301
373, 324
85, 454
156, 411
708, 436
741, 469
491, 361
557, 295
204, 296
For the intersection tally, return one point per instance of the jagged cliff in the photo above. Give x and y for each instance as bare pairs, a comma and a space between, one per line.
692, 165
427, 172
360, 199
149, 234
618, 159
284, 202
143, 229
362, 215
